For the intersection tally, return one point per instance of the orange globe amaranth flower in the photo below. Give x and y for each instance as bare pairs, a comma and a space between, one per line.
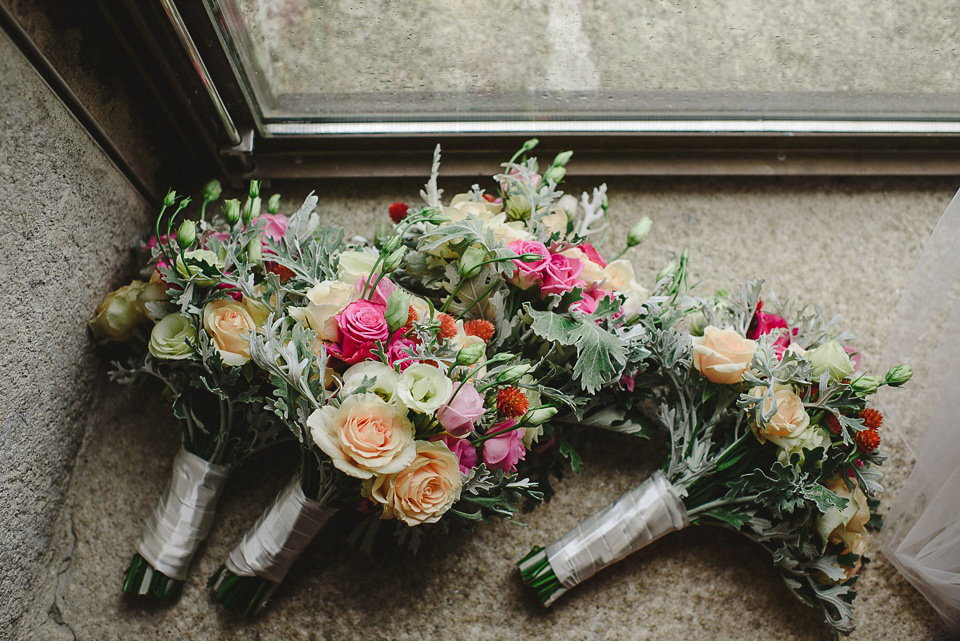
868, 440
512, 402
482, 329
448, 326
833, 423
398, 211
412, 317
872, 418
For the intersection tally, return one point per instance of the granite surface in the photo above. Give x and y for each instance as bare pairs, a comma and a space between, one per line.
69, 222
848, 244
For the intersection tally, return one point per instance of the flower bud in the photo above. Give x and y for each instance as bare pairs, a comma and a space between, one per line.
667, 271
698, 323
513, 373
200, 264
391, 243
638, 233
398, 310
187, 234
539, 415
501, 357
470, 354
866, 385
273, 205
436, 217
554, 174
472, 262
212, 191
254, 188
232, 211
170, 198
562, 159
393, 261
899, 375
255, 250
382, 235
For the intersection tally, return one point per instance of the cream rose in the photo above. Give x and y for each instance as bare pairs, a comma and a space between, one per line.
424, 490
324, 301
463, 206
843, 526
722, 355
424, 388
119, 314
384, 383
230, 326
363, 437
354, 265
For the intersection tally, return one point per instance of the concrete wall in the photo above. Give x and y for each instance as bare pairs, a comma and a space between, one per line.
69, 221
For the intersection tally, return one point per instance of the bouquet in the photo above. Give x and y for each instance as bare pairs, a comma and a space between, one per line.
187, 328
399, 411
770, 434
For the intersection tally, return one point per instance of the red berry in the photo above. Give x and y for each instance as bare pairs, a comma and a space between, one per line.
398, 211
512, 402
871, 418
868, 440
482, 329
489, 198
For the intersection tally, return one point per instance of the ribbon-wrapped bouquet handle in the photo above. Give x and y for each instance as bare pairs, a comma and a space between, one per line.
259, 563
178, 525
636, 519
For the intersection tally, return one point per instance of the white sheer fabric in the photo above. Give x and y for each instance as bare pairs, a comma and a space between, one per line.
921, 536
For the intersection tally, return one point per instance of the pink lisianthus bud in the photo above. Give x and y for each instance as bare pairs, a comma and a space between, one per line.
627, 382
460, 414
560, 275
503, 451
465, 451
526, 275
399, 353
361, 325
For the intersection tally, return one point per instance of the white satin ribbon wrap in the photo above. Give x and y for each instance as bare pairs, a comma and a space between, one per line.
921, 533
184, 515
636, 519
282, 533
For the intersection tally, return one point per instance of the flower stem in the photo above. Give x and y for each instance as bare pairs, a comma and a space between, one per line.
142, 579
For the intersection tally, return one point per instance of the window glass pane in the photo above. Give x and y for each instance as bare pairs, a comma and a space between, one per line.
382, 60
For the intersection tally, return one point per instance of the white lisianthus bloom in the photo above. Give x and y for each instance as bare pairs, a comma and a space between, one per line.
465, 206
830, 358
172, 338
810, 438
355, 265
530, 434
384, 377
324, 301
424, 388
556, 221
365, 436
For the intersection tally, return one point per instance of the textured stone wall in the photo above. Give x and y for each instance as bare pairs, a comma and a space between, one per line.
69, 220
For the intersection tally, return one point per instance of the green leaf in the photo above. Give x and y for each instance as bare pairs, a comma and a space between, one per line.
554, 327
601, 357
824, 498
731, 518
569, 453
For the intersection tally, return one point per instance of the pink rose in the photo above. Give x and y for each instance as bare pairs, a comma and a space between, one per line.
153, 243
854, 355
528, 274
764, 323
560, 275
275, 226
400, 353
381, 294
593, 254
361, 325
503, 451
588, 303
465, 451
462, 411
628, 382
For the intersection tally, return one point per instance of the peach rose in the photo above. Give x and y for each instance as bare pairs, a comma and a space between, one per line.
788, 426
722, 355
230, 325
424, 490
843, 526
364, 436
